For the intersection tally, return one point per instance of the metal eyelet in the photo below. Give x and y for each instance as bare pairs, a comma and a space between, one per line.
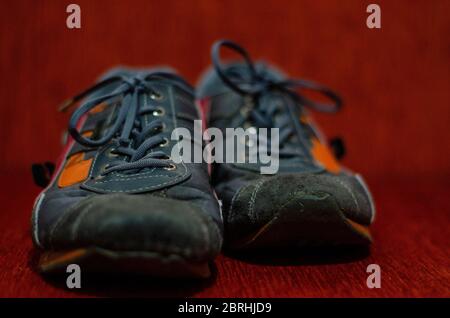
111, 154
158, 112
164, 143
160, 128
99, 177
102, 172
156, 96
171, 167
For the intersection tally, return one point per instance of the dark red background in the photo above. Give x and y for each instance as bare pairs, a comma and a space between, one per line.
395, 122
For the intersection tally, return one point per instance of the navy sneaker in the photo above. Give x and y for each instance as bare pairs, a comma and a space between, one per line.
311, 199
117, 202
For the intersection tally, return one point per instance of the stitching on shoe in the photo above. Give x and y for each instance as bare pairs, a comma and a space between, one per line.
252, 200
234, 199
93, 163
134, 178
171, 181
351, 193
293, 197
115, 173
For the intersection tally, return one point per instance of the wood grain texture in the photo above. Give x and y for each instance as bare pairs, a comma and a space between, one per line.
394, 81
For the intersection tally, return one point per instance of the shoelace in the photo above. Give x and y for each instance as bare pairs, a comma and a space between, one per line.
133, 141
257, 84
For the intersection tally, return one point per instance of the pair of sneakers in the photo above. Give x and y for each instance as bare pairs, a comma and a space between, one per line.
118, 201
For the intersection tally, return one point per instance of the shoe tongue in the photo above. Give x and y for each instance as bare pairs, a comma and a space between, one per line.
274, 105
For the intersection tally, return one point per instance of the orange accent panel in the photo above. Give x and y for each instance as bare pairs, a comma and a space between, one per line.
75, 170
322, 154
51, 259
362, 229
304, 119
88, 133
99, 108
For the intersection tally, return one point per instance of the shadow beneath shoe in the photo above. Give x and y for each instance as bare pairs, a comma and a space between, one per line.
302, 256
127, 284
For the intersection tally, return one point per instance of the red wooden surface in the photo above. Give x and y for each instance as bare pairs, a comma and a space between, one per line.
394, 81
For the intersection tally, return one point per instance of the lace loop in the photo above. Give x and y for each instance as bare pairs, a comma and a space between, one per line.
258, 83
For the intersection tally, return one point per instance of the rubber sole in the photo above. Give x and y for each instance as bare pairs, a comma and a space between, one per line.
319, 223
95, 259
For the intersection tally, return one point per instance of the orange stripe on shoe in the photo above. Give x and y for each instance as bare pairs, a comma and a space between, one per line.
75, 170
361, 229
305, 119
99, 108
323, 155
88, 133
